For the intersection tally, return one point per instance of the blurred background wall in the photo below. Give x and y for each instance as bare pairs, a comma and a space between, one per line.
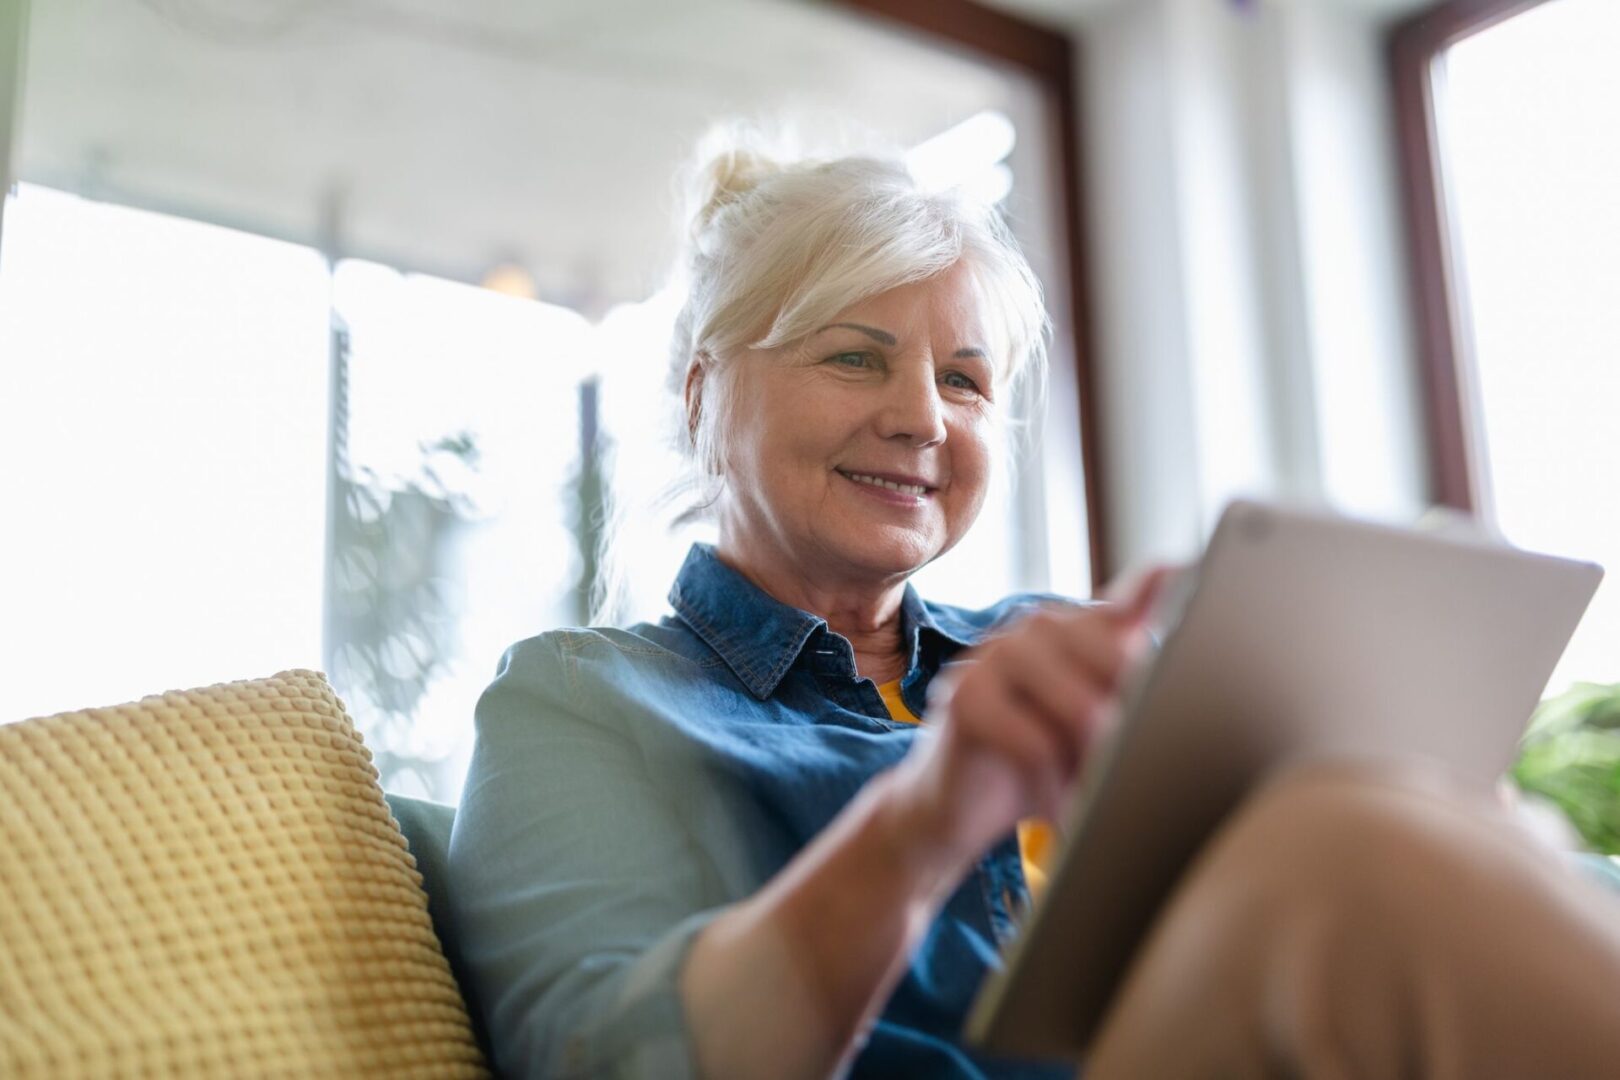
1253, 320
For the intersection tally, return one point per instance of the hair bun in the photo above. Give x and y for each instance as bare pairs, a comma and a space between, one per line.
726, 175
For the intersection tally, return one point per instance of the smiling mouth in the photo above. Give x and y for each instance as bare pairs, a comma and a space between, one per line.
888, 485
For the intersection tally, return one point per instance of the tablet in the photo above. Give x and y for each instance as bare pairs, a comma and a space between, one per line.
1299, 635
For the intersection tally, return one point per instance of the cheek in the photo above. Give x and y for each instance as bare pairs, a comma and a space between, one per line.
783, 438
819, 422
972, 466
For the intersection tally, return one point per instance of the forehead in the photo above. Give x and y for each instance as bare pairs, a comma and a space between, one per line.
954, 300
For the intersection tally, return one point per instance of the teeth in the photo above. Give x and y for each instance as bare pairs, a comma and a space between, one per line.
907, 489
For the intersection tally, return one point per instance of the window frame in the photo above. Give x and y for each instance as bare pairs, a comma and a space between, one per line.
1445, 347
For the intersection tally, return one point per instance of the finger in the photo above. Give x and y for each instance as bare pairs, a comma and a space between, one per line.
1065, 736
1040, 669
944, 683
1136, 600
1015, 733
989, 704
1101, 647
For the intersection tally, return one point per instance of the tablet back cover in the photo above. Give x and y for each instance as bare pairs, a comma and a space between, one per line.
1304, 636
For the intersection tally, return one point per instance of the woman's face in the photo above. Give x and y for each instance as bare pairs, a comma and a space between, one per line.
863, 452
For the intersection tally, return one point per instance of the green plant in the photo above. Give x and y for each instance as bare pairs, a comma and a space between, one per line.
1571, 758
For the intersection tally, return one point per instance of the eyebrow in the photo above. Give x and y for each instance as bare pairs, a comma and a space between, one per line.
884, 337
881, 336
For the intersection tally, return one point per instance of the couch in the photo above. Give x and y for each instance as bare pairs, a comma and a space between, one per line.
210, 883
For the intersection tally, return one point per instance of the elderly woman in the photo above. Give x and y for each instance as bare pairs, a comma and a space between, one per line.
720, 844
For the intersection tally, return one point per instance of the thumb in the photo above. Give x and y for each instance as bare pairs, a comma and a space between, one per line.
1132, 602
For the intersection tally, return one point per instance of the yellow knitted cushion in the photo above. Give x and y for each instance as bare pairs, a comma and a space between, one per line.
208, 883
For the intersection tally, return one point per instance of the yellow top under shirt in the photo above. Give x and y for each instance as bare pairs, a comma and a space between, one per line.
1034, 837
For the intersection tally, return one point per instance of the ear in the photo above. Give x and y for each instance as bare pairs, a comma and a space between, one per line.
696, 372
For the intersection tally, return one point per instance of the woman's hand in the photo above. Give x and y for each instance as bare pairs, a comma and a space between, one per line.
1012, 722
827, 938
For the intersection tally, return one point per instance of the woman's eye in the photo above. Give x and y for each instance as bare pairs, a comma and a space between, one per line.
959, 381
851, 359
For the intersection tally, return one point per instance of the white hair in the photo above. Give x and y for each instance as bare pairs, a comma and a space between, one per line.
779, 247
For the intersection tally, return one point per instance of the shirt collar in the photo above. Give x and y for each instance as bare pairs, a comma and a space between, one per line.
759, 637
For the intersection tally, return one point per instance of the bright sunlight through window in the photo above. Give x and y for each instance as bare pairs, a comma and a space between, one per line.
1530, 117
163, 424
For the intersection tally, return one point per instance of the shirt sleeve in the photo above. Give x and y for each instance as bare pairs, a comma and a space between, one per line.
574, 890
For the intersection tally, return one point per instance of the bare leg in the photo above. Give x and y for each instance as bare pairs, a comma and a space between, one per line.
1355, 923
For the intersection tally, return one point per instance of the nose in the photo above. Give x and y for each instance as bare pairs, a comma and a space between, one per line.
911, 406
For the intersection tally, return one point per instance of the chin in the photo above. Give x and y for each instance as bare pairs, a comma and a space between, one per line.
889, 556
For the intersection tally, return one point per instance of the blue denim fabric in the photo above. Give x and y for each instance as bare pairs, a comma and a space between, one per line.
628, 784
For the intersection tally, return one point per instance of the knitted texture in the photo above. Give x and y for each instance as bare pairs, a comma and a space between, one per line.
208, 883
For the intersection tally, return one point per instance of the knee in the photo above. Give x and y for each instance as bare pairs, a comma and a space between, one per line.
1327, 900
1351, 843
1308, 890
1357, 834
1321, 887
1329, 879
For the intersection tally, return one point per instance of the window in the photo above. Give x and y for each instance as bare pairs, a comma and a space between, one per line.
456, 499
1526, 116
165, 412
163, 423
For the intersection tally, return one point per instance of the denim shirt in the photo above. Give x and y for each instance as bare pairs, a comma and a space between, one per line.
627, 785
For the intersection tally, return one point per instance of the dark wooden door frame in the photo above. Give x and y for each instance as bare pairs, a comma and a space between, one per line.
1444, 349
1051, 58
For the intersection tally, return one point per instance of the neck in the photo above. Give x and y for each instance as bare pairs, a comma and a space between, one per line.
867, 614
